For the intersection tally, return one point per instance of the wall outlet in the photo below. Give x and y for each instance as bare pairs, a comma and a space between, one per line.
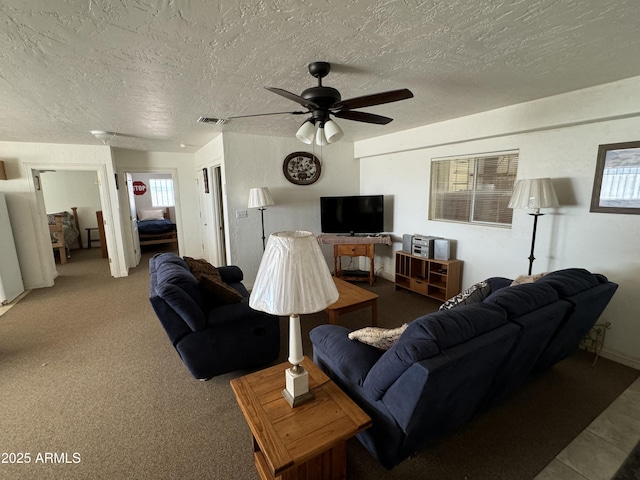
241, 214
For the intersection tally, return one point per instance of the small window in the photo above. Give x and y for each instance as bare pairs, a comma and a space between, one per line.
473, 189
162, 192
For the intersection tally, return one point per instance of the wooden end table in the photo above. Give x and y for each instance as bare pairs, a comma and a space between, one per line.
352, 298
308, 441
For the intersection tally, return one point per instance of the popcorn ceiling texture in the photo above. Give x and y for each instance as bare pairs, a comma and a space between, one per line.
148, 69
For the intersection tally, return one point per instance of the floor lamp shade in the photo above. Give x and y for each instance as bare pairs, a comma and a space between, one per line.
534, 193
293, 279
260, 197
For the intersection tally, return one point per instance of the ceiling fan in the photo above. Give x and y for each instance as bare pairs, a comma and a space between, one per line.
321, 102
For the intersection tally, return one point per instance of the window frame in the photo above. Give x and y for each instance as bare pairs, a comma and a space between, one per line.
473, 193
153, 192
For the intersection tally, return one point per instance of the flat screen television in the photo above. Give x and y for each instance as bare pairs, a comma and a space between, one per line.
359, 214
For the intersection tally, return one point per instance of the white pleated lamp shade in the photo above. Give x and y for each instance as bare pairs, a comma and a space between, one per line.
260, 197
534, 193
293, 277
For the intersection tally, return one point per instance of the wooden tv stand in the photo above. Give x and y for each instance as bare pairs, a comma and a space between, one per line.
354, 246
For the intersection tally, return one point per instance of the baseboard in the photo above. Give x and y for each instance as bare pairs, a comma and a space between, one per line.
387, 276
620, 358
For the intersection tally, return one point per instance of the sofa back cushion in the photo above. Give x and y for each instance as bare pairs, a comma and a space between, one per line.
427, 336
570, 281
178, 288
521, 299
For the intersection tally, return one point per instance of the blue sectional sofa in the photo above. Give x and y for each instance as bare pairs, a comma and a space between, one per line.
451, 364
211, 338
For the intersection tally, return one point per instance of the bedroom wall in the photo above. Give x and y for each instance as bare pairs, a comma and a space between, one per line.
557, 137
143, 202
63, 189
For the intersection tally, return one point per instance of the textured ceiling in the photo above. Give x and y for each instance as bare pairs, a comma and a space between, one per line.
148, 69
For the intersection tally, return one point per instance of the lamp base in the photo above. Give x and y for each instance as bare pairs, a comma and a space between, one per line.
297, 382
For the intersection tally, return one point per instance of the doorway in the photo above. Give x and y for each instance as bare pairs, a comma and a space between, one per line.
71, 198
152, 200
211, 197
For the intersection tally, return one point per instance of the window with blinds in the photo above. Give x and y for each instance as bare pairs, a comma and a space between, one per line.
473, 189
162, 192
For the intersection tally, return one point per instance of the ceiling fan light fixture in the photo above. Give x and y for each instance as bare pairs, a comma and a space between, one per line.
306, 132
321, 139
332, 131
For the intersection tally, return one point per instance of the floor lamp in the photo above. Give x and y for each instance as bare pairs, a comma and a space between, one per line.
293, 279
260, 198
534, 193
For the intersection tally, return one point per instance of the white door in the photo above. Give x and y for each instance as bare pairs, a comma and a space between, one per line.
10, 277
133, 217
218, 215
211, 225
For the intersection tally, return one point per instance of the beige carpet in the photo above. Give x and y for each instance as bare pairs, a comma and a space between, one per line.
86, 368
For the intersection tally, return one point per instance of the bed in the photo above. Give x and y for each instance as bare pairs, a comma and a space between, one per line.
64, 231
155, 227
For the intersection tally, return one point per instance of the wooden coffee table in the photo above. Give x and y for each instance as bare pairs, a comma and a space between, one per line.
352, 298
308, 441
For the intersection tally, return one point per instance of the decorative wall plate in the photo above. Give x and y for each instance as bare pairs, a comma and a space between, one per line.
301, 168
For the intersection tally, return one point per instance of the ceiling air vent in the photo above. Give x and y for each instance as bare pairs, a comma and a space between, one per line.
217, 121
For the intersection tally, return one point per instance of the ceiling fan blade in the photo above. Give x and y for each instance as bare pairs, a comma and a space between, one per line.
264, 114
374, 99
292, 96
362, 117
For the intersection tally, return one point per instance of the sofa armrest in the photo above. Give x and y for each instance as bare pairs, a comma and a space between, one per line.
232, 312
231, 274
350, 359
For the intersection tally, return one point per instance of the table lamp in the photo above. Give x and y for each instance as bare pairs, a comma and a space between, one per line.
533, 193
293, 279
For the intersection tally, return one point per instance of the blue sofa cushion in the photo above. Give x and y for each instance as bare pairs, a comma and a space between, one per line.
570, 281
498, 282
521, 299
231, 274
350, 359
427, 336
177, 286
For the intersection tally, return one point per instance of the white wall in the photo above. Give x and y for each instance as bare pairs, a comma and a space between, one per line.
26, 204
557, 137
256, 161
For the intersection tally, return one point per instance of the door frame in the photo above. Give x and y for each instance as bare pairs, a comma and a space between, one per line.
212, 212
124, 206
113, 236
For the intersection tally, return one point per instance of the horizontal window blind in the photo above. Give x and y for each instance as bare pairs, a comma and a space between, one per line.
473, 189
